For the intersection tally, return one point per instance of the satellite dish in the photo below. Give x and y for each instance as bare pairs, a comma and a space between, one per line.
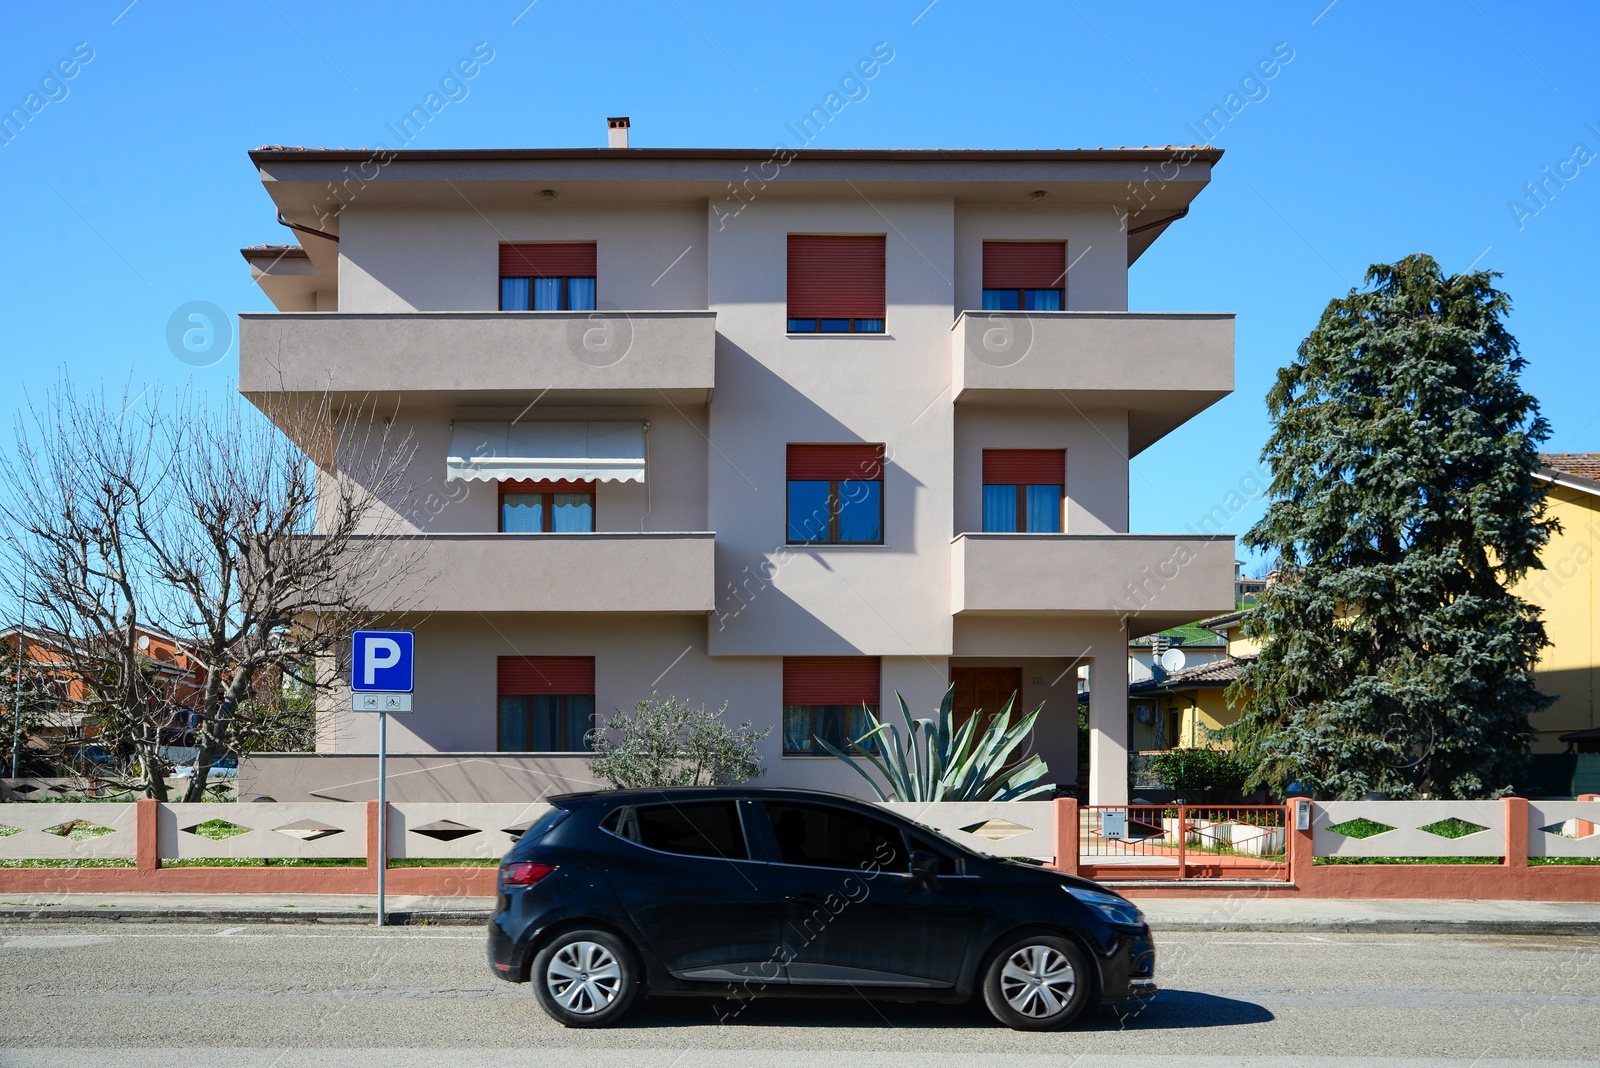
143, 642
1173, 660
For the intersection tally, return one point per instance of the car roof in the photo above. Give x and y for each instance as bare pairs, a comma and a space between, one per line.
653, 793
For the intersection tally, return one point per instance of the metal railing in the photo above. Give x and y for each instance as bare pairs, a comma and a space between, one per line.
1184, 841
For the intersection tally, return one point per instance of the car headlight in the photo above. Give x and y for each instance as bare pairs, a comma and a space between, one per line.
1111, 908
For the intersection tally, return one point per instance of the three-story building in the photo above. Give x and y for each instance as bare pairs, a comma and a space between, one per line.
798, 431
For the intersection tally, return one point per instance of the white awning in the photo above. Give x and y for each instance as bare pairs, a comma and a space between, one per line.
576, 452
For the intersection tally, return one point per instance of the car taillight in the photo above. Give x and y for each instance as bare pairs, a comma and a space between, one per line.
524, 873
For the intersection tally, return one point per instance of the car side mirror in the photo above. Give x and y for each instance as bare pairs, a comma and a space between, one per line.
925, 866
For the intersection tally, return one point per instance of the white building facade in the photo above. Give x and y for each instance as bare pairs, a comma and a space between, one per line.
794, 432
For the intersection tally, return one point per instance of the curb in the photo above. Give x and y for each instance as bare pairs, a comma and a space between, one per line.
278, 917
1396, 926
458, 918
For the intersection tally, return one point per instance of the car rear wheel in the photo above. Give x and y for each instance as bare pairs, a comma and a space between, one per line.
585, 978
1038, 983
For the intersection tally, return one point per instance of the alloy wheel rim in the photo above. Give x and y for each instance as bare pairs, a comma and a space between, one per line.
583, 977
1038, 981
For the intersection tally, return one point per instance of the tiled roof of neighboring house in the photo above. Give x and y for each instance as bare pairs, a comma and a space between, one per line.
1188, 636
1574, 470
1216, 622
1217, 673
1582, 464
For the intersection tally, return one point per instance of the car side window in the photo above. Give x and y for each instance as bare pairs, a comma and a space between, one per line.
820, 836
947, 864
697, 829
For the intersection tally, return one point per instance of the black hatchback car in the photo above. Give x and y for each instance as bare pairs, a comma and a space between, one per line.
743, 892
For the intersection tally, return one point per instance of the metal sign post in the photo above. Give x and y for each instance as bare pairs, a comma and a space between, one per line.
381, 681
383, 809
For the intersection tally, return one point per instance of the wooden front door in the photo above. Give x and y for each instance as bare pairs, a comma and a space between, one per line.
986, 688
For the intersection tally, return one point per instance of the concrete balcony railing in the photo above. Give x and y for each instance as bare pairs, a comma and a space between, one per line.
1154, 581
599, 357
601, 572
1163, 369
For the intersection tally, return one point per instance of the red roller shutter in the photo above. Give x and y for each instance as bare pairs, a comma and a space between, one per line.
831, 680
567, 260
1024, 264
836, 277
859, 461
529, 676
1024, 467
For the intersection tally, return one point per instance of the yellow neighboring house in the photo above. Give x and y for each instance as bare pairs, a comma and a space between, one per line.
1567, 590
1191, 703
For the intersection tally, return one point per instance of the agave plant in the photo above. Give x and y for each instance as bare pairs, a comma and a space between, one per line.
937, 761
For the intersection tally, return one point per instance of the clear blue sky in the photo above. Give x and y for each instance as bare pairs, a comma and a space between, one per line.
1395, 128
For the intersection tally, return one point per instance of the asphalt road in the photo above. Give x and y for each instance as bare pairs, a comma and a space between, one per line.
242, 997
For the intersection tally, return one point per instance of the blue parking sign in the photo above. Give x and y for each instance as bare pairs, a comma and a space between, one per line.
381, 661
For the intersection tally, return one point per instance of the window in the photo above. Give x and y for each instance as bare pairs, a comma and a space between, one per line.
532, 507
835, 494
836, 284
703, 829
819, 836
1023, 490
546, 703
1024, 275
828, 697
547, 277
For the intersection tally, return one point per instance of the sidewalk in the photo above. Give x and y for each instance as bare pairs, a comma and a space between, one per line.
1166, 915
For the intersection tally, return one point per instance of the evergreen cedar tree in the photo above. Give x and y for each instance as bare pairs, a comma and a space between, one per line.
1402, 508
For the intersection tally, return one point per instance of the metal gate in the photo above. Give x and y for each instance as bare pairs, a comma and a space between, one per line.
1119, 842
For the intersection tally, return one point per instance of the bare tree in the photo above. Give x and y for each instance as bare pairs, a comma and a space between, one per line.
272, 562
259, 543
81, 470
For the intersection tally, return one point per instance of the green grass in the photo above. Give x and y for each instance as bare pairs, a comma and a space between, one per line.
322, 862
442, 862
1409, 860
1453, 828
218, 830
1360, 828
72, 799
56, 863
249, 862
7, 832
1532, 861
267, 862
78, 830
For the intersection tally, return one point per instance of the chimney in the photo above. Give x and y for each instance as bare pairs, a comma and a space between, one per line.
617, 132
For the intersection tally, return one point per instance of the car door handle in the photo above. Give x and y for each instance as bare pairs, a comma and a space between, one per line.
804, 899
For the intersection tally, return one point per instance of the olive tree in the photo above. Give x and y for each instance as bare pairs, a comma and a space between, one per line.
668, 742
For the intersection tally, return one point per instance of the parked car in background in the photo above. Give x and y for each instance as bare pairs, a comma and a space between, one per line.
739, 892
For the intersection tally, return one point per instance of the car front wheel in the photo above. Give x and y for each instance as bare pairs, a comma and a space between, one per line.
585, 978
1037, 983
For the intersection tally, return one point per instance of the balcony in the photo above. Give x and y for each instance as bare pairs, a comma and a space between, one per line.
463, 358
603, 572
1163, 369
1154, 581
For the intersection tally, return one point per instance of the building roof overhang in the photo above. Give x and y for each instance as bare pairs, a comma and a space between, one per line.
1149, 187
1569, 480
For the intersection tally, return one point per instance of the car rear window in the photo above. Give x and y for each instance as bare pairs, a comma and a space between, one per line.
697, 829
544, 825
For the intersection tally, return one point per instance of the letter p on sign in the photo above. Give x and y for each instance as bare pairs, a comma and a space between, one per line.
382, 661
